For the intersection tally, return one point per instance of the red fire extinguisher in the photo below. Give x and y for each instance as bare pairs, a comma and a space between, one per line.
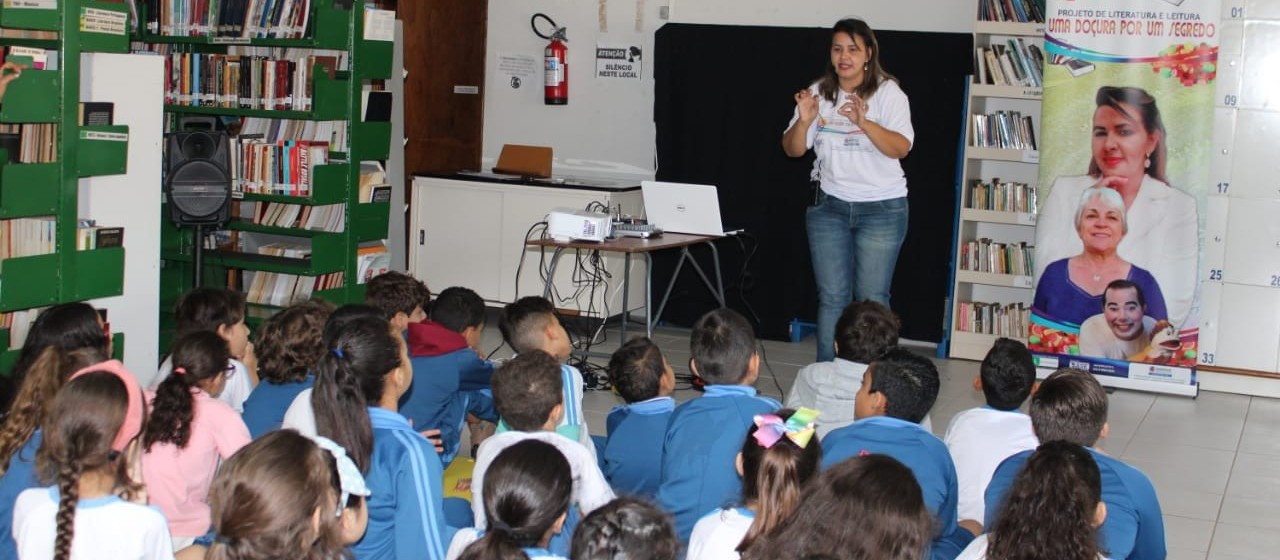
556, 62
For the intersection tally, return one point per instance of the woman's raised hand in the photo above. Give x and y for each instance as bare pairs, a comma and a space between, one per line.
807, 104
855, 110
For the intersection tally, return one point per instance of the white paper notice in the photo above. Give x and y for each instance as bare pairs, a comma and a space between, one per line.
32, 4
516, 69
379, 25
618, 62
94, 20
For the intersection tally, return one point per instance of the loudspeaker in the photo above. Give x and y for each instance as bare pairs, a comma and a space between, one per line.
198, 179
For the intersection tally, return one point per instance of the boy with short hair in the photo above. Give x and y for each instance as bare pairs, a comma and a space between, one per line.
865, 330
528, 395
980, 438
450, 379
1071, 405
705, 434
400, 297
530, 323
897, 391
631, 459
220, 311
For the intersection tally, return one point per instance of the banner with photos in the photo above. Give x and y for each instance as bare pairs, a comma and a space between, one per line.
1126, 123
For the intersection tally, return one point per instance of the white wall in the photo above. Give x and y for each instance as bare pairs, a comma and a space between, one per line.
607, 128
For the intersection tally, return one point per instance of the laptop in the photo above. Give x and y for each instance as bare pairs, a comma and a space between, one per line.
683, 208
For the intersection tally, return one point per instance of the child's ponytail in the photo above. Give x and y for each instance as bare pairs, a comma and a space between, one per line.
778, 458
197, 357
350, 377
527, 490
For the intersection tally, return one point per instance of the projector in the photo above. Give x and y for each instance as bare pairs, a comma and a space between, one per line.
565, 224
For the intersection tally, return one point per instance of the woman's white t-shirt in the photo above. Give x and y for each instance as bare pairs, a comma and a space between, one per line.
849, 167
108, 528
717, 535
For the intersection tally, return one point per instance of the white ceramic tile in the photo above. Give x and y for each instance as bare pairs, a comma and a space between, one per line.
1254, 165
1258, 9
1190, 534
1219, 419
1251, 512
1181, 467
1249, 344
1114, 446
1243, 542
1190, 504
1126, 410
1184, 554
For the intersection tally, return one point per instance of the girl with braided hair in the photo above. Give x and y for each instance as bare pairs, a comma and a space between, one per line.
527, 490
190, 431
89, 449
627, 528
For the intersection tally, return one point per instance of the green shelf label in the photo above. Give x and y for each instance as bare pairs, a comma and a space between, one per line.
106, 22
32, 4
104, 136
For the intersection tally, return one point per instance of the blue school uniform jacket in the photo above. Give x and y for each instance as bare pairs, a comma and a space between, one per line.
632, 460
920, 451
443, 367
19, 476
1134, 528
264, 409
406, 515
703, 437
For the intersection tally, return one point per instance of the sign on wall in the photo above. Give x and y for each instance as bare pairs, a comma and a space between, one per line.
1126, 123
618, 62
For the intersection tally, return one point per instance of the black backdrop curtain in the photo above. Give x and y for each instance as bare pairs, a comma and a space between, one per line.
723, 97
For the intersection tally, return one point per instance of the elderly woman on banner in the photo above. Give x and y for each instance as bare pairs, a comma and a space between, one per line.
1161, 231
1072, 289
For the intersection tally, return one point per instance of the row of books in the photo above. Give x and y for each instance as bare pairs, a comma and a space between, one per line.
1009, 130
316, 218
283, 167
250, 19
30, 143
277, 130
1002, 196
1025, 11
242, 81
1012, 63
90, 235
372, 259
1000, 319
26, 237
18, 323
985, 255
277, 288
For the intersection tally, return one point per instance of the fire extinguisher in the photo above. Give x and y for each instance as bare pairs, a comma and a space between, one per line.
556, 62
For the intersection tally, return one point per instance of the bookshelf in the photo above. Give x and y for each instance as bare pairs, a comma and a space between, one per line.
50, 192
992, 288
303, 260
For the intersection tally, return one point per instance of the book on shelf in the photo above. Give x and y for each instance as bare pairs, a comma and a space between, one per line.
327, 218
280, 167
373, 182
96, 113
243, 81
986, 255
18, 323
247, 19
276, 288
1002, 196
34, 58
375, 106
1008, 130
90, 235
372, 259
27, 237
36, 142
1012, 63
38, 34
1026, 11
999, 319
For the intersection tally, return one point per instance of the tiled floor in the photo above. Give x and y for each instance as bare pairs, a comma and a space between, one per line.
1214, 460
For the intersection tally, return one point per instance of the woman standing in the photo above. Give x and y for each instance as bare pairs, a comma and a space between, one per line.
858, 122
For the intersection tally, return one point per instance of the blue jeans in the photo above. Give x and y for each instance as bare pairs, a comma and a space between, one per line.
854, 246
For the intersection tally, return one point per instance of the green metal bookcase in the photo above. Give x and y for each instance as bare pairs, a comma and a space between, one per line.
51, 189
331, 27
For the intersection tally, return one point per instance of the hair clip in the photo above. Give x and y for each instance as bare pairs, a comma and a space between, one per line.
350, 480
339, 353
180, 371
799, 428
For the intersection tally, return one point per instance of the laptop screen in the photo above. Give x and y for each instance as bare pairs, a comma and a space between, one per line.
682, 207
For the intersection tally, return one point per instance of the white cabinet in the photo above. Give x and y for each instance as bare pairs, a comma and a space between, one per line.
1248, 329
472, 233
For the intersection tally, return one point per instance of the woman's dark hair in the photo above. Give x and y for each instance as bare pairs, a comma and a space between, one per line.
1148, 115
351, 376
627, 528
83, 422
63, 339
1059, 487
864, 507
206, 309
526, 490
289, 343
865, 330
636, 369
197, 357
773, 478
873, 75
262, 499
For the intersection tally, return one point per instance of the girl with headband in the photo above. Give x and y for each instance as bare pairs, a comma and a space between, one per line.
779, 456
89, 452
190, 431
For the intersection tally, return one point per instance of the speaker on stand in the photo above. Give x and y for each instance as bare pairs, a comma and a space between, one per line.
197, 185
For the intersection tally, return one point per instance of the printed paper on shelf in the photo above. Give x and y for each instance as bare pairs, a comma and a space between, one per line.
379, 25
107, 22
1146, 330
32, 4
104, 136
